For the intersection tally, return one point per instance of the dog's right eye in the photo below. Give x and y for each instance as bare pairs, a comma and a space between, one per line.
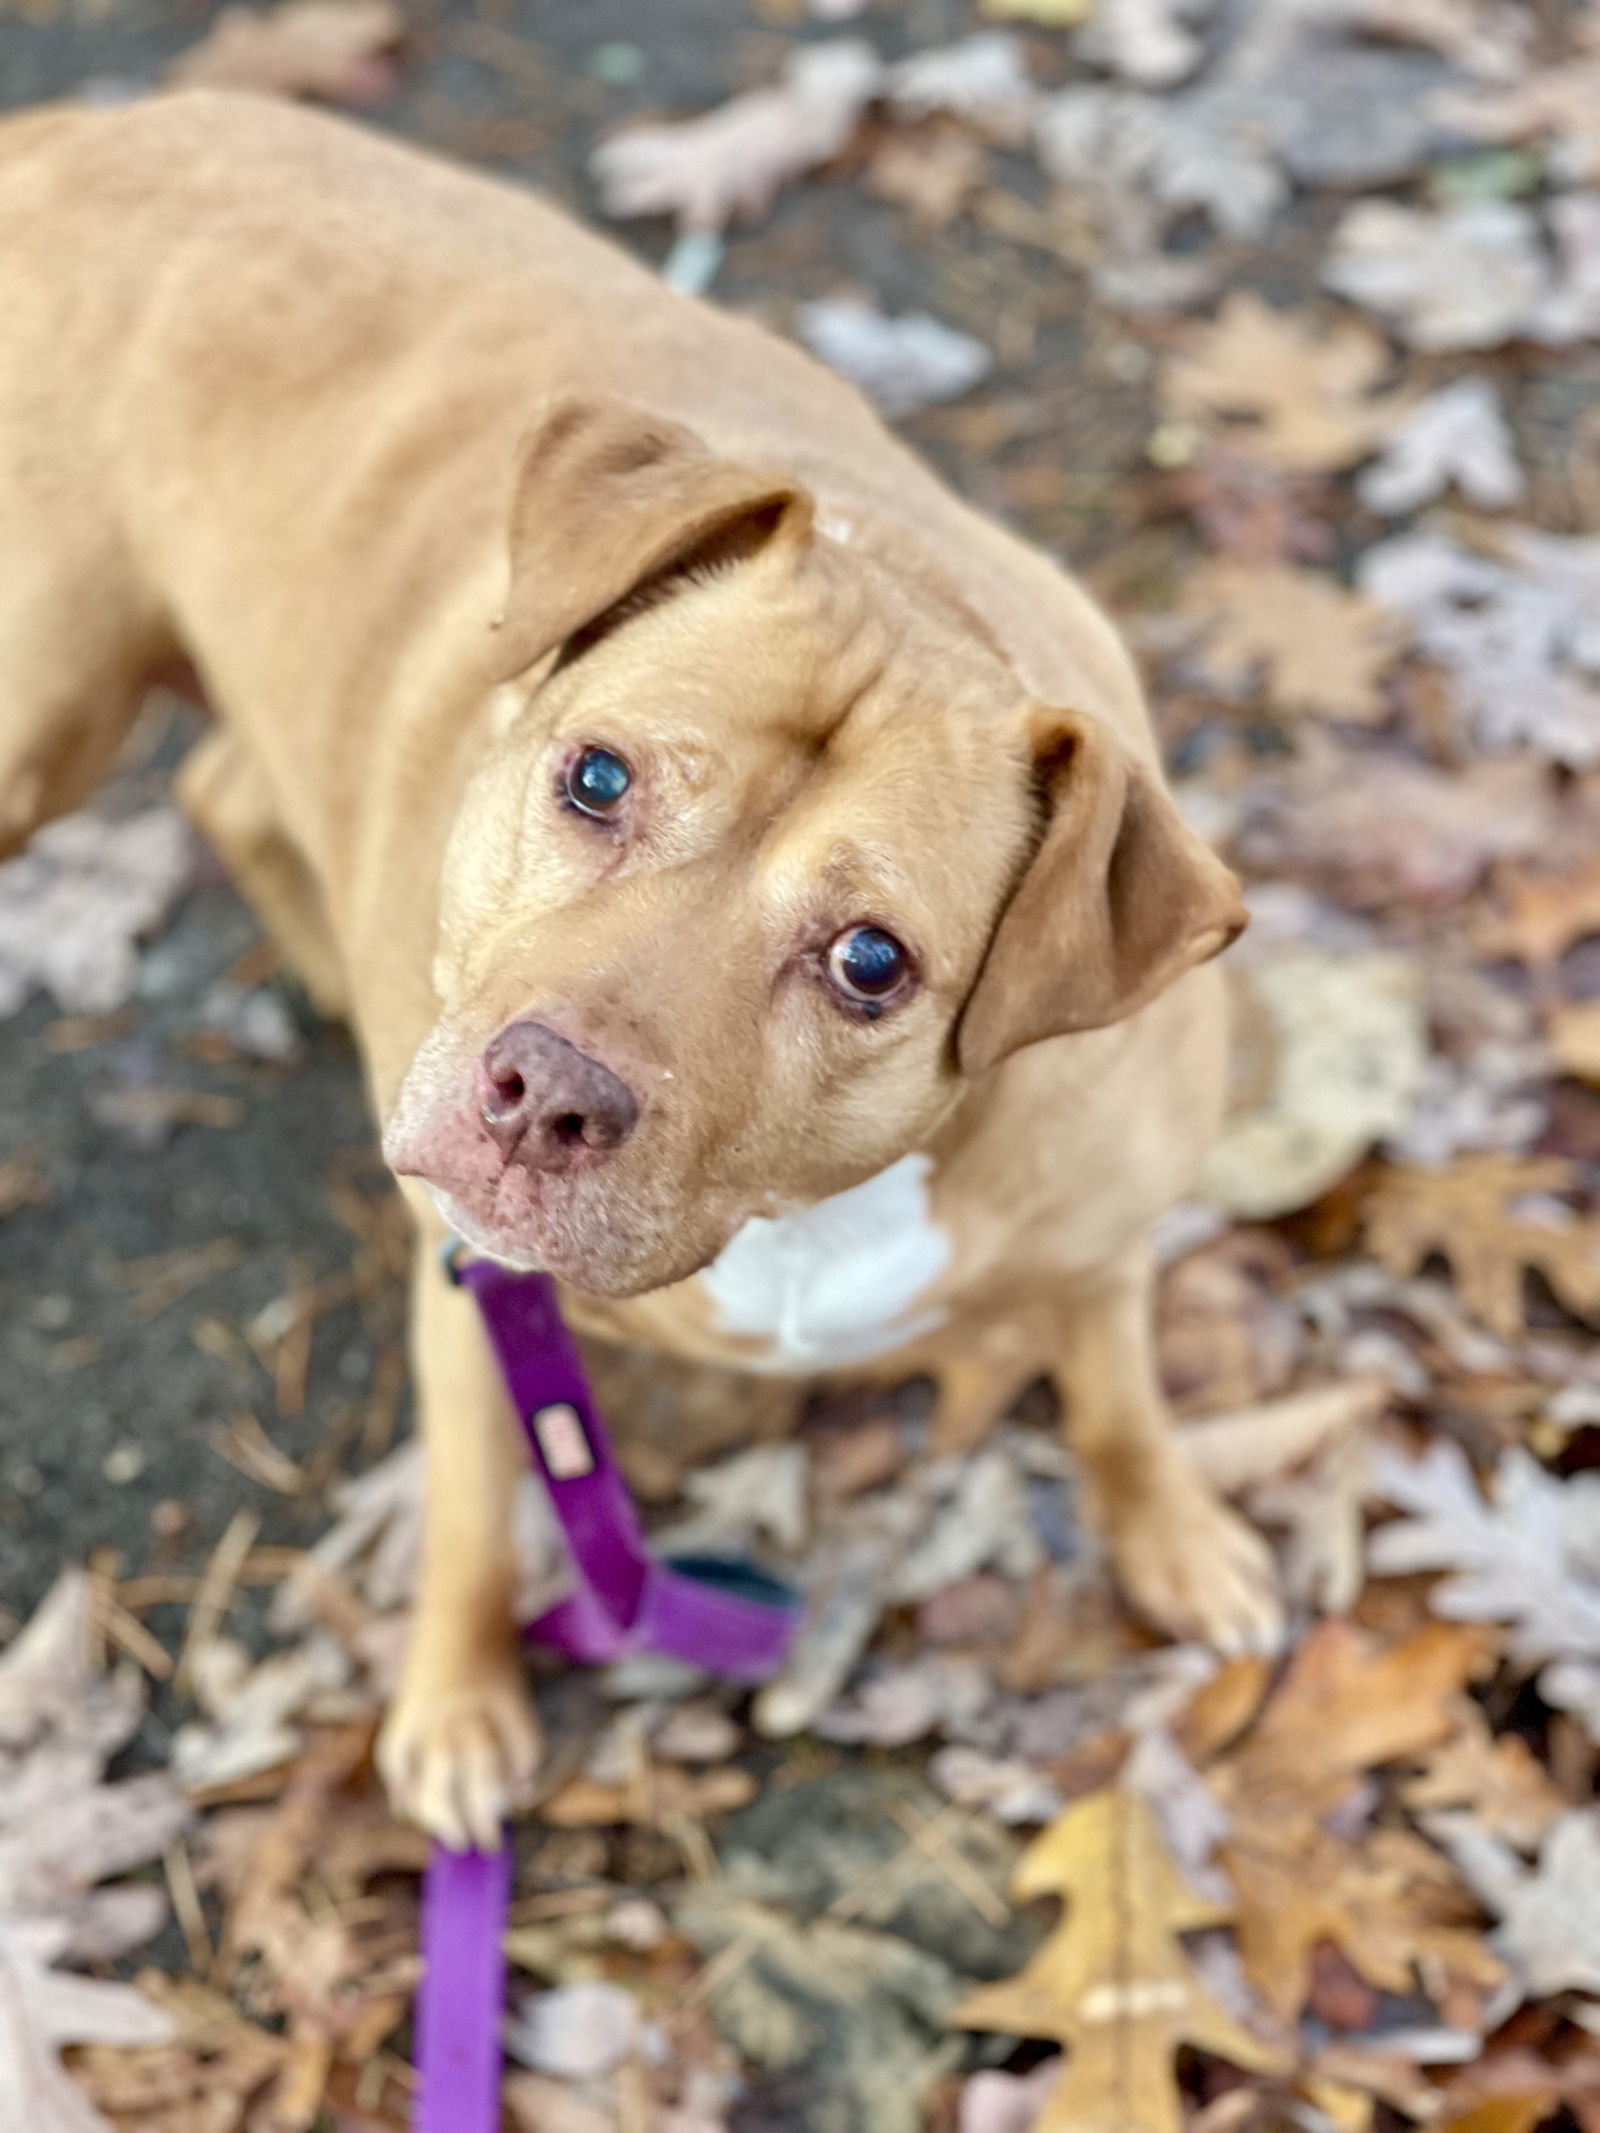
596, 781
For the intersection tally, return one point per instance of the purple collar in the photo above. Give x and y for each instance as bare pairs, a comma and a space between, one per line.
727, 1617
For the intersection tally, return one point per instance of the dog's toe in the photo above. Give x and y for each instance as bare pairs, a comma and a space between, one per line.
1195, 1569
459, 1760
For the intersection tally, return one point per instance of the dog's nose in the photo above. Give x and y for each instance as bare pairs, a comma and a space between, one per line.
549, 1106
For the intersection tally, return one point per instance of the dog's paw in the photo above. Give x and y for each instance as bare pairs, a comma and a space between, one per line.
459, 1749
1194, 1568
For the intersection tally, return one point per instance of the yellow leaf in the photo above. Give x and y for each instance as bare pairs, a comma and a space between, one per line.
1049, 14
1113, 1983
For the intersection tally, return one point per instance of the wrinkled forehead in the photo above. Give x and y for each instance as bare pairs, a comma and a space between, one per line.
913, 815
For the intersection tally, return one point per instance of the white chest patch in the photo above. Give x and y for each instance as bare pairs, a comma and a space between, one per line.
836, 1283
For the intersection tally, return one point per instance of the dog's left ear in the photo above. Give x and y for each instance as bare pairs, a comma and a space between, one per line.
610, 503
1121, 897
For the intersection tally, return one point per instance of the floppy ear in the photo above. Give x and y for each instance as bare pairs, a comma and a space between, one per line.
610, 501
1121, 897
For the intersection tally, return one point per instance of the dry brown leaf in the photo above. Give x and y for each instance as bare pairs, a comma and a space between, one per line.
1113, 1983
1311, 645
1049, 14
203, 2081
340, 50
1543, 916
1293, 392
1575, 1039
931, 171
1341, 1710
1466, 1216
1498, 1777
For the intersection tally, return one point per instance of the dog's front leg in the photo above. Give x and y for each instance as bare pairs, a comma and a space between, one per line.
1188, 1563
461, 1743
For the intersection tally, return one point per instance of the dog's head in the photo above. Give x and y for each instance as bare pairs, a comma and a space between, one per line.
767, 862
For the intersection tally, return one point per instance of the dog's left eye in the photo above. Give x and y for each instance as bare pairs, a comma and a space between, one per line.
597, 780
867, 964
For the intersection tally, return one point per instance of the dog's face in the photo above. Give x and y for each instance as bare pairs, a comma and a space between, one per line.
766, 863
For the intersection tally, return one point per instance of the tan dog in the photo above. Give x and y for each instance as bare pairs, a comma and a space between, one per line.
747, 870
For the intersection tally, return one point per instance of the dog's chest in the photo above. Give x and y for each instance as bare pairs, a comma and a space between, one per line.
840, 1282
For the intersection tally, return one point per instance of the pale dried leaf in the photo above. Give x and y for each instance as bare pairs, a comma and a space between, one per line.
1549, 1931
901, 364
76, 903
41, 2010
982, 80
1457, 435
1347, 1057
1515, 633
1457, 277
730, 165
340, 50
1152, 43
1529, 1558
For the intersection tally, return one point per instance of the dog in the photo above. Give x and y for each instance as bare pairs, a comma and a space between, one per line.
747, 870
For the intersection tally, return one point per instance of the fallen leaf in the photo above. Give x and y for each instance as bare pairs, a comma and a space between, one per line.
1049, 14
1527, 1559
981, 80
1152, 43
1383, 1897
76, 903
1458, 277
1559, 105
1549, 1930
1457, 435
1344, 1057
1113, 1984
1376, 829
1467, 1215
901, 364
1515, 632
203, 2080
730, 165
342, 51
1575, 1040
1308, 395
1311, 646
1543, 915
931, 172
41, 2011
1496, 1777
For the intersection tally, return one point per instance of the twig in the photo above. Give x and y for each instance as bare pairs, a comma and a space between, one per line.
188, 1910
216, 1590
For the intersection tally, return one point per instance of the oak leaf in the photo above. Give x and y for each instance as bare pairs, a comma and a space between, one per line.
1113, 1983
1497, 1777
730, 164
1527, 1557
340, 50
1385, 1899
1308, 395
1467, 1215
1313, 645
1575, 1040
1543, 916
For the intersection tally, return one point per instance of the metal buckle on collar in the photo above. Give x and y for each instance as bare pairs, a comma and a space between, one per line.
451, 1253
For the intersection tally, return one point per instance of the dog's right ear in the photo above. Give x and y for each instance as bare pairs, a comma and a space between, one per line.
611, 503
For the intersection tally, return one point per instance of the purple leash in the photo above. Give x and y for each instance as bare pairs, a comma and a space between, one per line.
727, 1617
